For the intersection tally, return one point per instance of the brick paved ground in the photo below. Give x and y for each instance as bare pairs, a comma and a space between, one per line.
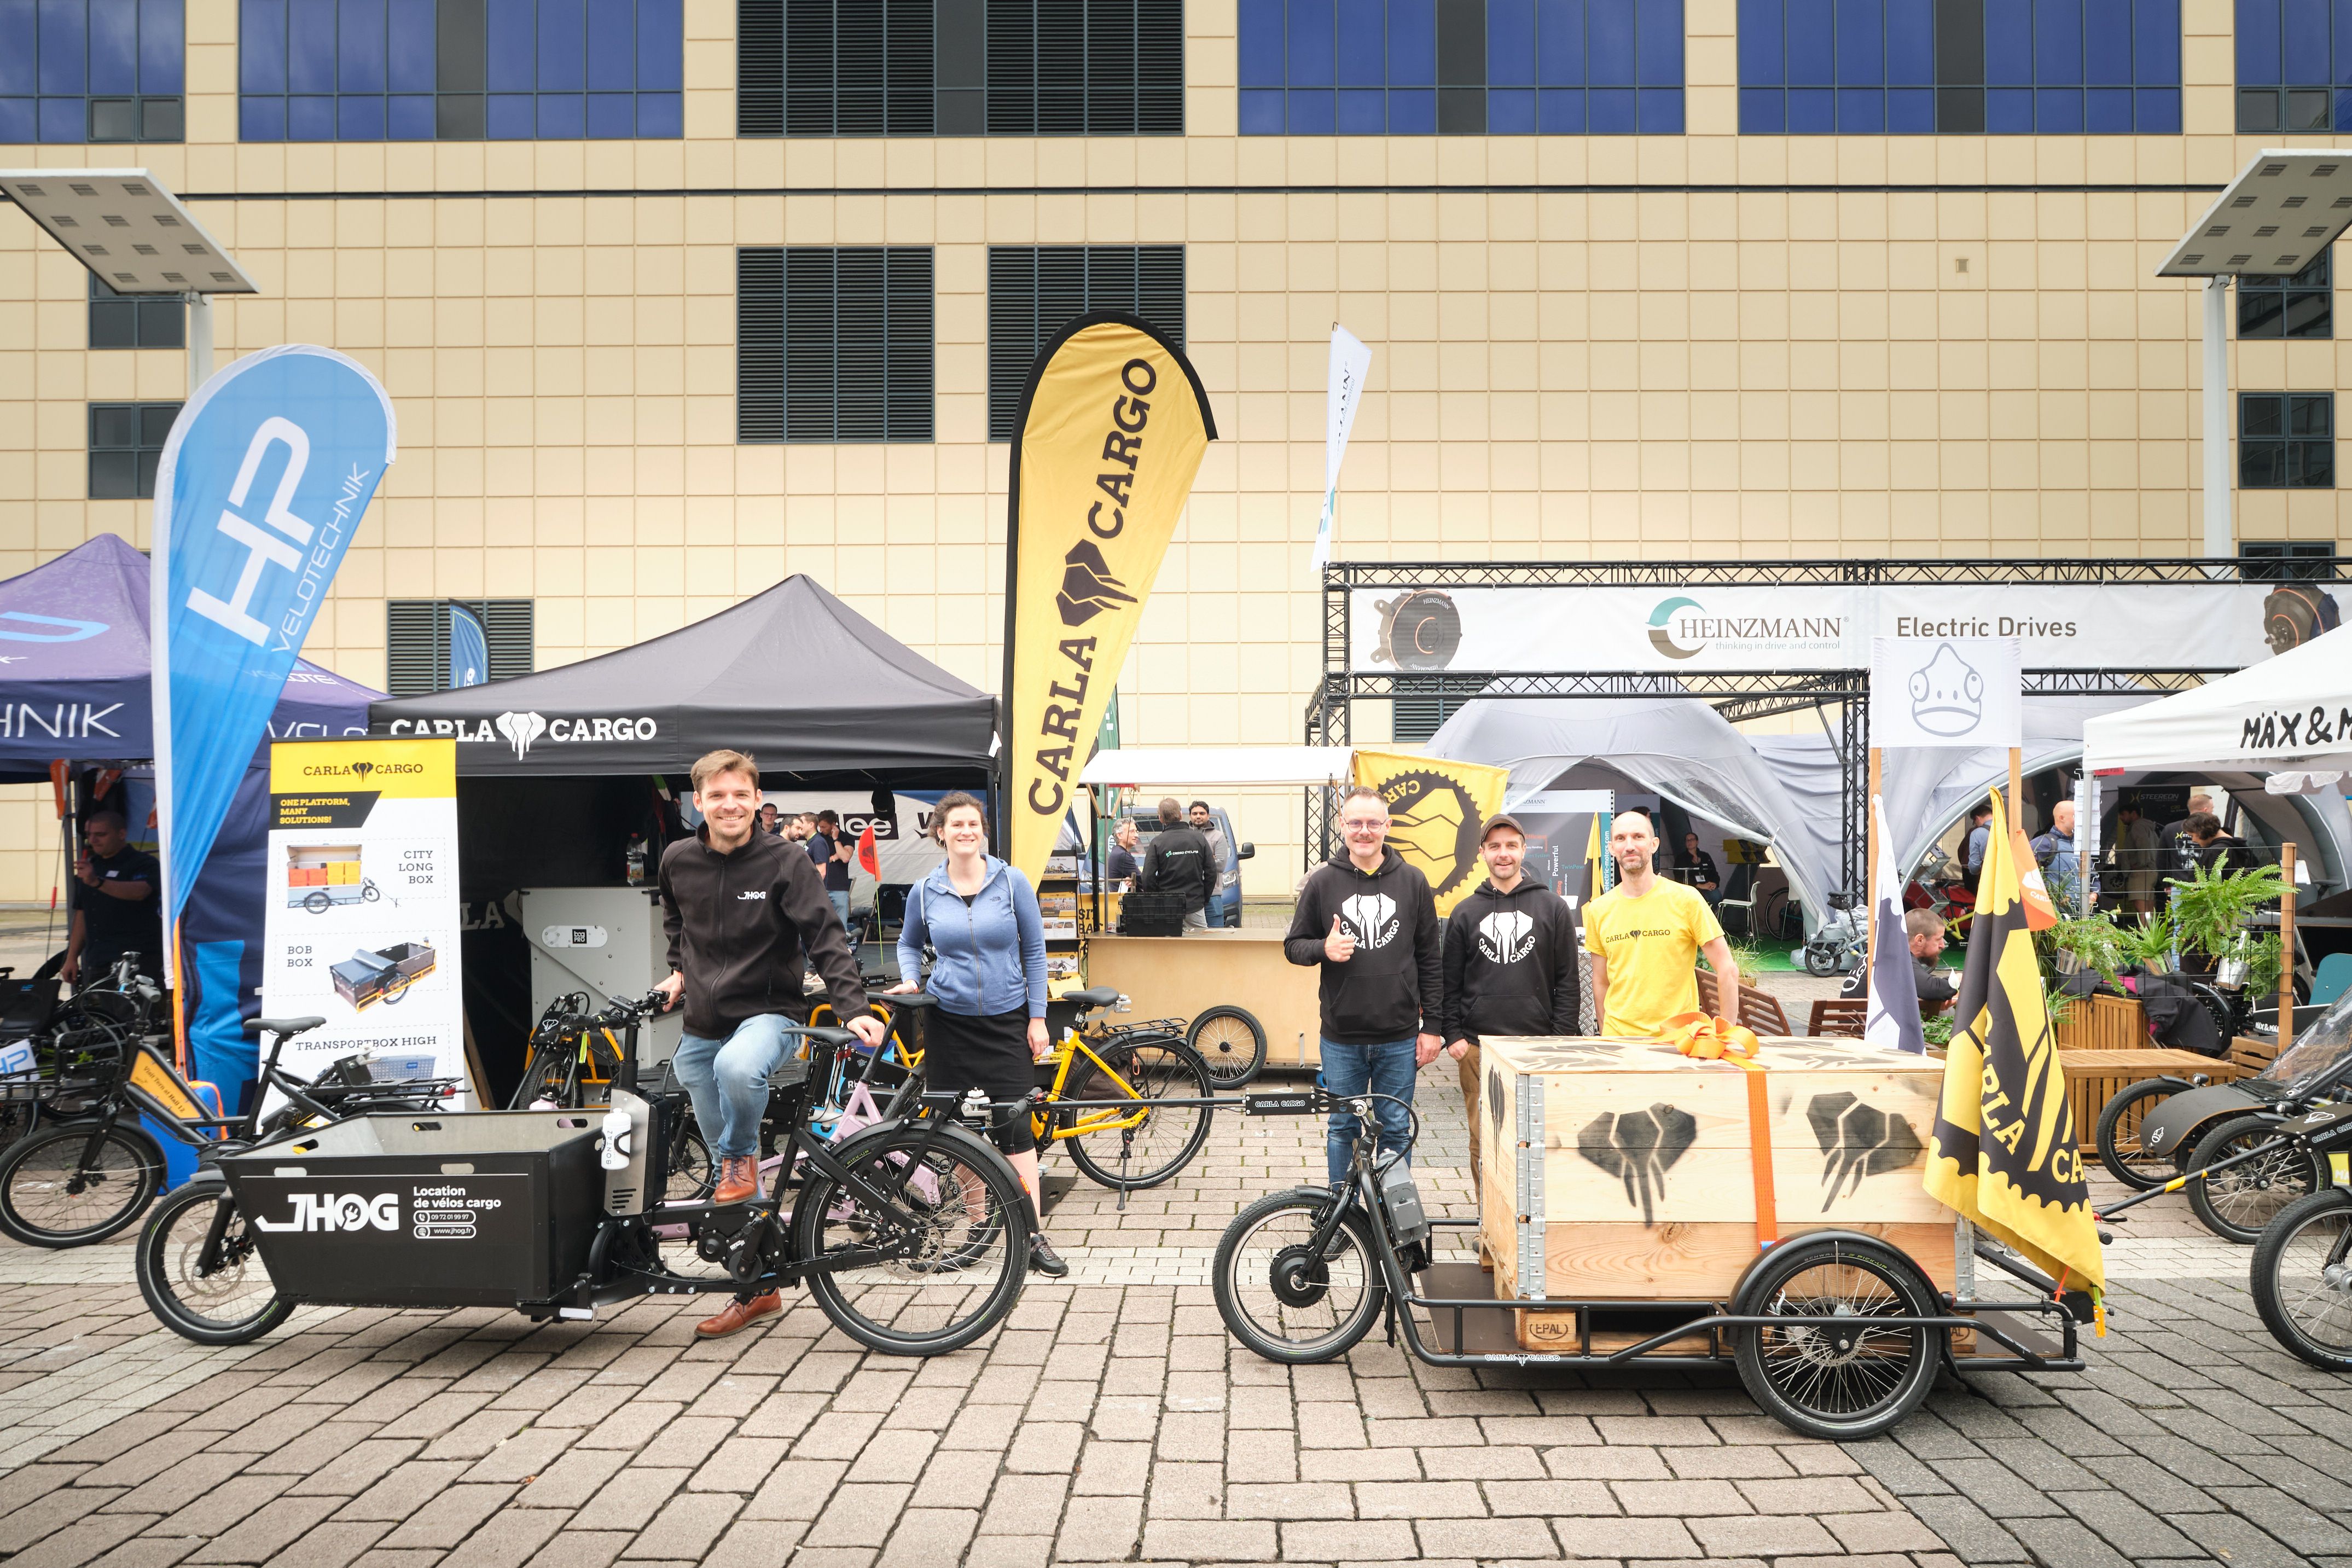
1112, 1419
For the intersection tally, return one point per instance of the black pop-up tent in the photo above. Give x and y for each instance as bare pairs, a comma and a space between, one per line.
558, 771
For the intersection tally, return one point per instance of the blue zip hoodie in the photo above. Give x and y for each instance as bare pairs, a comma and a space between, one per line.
992, 956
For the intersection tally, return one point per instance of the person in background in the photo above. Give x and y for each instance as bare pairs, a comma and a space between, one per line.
1177, 861
988, 1032
768, 820
1205, 823
831, 852
798, 827
2058, 855
117, 906
2136, 857
1925, 929
1646, 936
728, 951
1972, 851
2172, 841
1696, 869
1510, 965
1370, 921
2205, 845
1119, 866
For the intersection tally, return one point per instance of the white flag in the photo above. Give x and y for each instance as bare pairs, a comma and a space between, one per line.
1893, 1017
1350, 361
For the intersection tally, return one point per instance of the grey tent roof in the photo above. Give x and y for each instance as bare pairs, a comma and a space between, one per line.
812, 690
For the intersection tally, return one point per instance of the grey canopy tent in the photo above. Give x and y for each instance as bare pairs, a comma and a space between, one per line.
818, 693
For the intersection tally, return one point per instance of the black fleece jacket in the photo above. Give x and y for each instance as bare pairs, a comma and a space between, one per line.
736, 924
1391, 988
1511, 965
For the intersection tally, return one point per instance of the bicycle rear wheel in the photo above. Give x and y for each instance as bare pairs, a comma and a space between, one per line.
1145, 1146
937, 1268
50, 1197
2302, 1278
201, 1273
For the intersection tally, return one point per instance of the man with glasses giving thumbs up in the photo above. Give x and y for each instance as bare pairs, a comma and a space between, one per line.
1371, 920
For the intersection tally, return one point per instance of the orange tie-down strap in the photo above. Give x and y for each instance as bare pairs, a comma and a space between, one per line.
1712, 1038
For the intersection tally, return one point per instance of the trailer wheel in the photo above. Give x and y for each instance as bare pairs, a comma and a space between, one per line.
317, 901
1828, 1373
1231, 1042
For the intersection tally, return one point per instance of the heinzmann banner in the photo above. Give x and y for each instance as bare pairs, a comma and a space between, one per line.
1112, 430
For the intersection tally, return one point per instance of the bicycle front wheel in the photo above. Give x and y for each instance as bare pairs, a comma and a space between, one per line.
1148, 1145
937, 1266
2302, 1278
2118, 1134
2236, 1203
1281, 1299
51, 1197
200, 1270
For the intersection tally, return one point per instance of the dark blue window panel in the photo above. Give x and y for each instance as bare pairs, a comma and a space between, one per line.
410, 63
361, 46
1918, 68
562, 116
1351, 68
612, 115
661, 53
611, 46
310, 120
510, 48
261, 50
261, 120
513, 116
662, 115
310, 46
359, 116
563, 46
2294, 62
408, 117
91, 70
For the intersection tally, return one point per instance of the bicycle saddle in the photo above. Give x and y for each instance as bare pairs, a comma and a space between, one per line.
833, 1037
287, 1026
902, 998
1093, 996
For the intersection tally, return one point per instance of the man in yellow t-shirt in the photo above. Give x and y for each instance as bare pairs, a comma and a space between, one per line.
1646, 935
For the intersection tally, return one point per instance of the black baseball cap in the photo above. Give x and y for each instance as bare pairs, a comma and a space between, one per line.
1501, 820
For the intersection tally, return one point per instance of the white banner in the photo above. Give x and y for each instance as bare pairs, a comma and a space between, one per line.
1351, 361
1946, 691
2139, 625
363, 916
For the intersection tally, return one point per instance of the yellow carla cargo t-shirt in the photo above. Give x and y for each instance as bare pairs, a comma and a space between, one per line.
1651, 944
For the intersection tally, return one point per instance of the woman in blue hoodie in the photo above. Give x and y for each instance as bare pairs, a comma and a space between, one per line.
979, 916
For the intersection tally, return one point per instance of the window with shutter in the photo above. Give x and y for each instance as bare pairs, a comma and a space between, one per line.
417, 636
960, 68
1033, 290
834, 343
126, 447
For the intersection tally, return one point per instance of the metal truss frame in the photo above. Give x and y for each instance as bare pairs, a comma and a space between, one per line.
1737, 694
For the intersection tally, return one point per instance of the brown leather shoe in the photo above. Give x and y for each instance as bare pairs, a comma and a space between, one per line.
738, 1316
738, 1180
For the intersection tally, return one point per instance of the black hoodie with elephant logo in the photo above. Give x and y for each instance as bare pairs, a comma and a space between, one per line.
1511, 962
1391, 988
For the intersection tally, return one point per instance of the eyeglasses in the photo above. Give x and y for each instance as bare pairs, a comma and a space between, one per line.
1362, 824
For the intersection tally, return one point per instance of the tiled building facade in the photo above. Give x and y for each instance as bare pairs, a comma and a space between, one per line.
1642, 277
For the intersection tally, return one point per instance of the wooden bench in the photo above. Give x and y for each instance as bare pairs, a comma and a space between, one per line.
2095, 1077
1839, 1017
1759, 1010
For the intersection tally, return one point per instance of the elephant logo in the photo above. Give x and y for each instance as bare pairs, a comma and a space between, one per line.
520, 730
363, 770
1640, 1148
1946, 695
1495, 1102
1507, 936
1088, 586
1371, 916
1858, 1142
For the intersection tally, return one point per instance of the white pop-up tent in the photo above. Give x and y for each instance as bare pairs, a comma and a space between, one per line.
2288, 714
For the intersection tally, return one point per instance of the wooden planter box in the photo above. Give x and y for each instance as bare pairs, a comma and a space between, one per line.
2103, 1024
1623, 1171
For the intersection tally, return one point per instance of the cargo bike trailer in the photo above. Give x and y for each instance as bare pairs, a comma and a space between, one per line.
913, 1235
1835, 1333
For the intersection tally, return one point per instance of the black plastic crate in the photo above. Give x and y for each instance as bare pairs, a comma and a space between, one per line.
1152, 914
483, 1208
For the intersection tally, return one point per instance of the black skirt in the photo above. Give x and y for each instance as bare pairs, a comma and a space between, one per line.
989, 1052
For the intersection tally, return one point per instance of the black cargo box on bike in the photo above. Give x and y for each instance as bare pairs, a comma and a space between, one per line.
487, 1208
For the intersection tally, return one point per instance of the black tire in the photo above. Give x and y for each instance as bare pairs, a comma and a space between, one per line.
392, 994
2118, 1134
2236, 1204
1282, 1302
1834, 1383
1156, 1143
692, 1172
1820, 960
318, 903
2302, 1280
1231, 1043
2222, 1009
47, 1200
952, 1278
230, 1304
545, 1075
368, 894
18, 1118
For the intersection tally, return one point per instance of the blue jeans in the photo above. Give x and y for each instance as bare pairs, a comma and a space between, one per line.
728, 1082
1382, 1069
840, 902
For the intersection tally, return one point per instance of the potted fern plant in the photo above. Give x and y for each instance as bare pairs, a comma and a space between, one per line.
2209, 905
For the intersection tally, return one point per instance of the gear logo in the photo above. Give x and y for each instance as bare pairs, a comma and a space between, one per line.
1507, 936
1088, 586
1946, 695
520, 730
1661, 636
1433, 825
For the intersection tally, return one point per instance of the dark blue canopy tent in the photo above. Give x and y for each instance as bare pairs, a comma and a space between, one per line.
74, 687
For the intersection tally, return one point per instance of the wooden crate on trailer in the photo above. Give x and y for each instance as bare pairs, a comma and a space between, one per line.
2102, 1024
1623, 1171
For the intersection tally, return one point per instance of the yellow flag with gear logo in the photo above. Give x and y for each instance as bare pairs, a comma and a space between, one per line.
1112, 430
1437, 809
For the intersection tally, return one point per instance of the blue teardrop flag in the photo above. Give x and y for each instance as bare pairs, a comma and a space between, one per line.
469, 649
263, 482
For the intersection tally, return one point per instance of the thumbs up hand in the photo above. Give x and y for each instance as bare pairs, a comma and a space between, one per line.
1339, 946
